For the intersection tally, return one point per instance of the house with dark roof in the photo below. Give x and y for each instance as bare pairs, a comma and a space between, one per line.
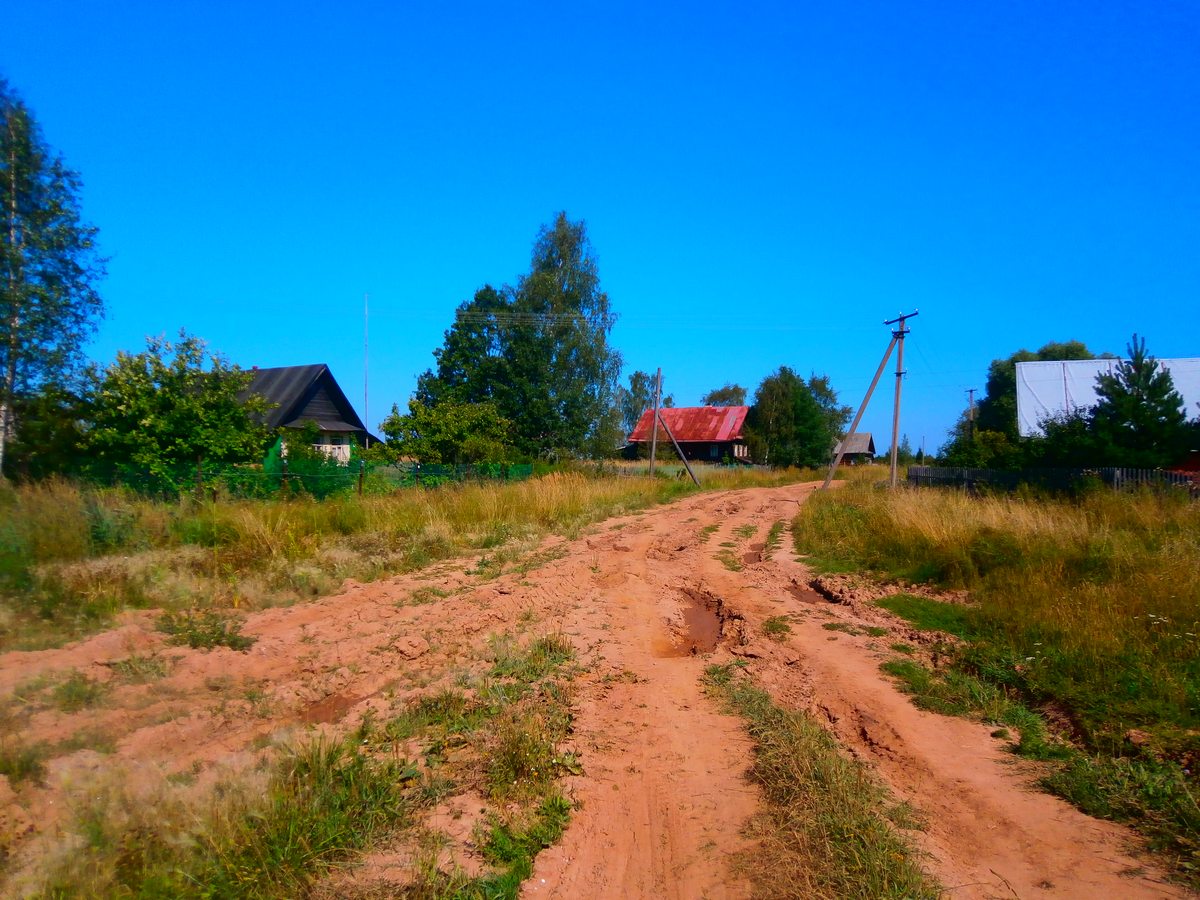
860, 448
712, 433
309, 394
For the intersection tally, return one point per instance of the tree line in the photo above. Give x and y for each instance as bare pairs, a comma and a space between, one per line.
1138, 421
525, 371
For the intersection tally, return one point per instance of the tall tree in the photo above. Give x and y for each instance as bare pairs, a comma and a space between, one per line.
993, 440
729, 395
539, 351
1140, 419
166, 411
637, 398
836, 416
472, 366
788, 425
48, 263
998, 408
450, 432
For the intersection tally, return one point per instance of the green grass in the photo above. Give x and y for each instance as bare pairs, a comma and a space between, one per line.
204, 630
745, 531
77, 692
932, 615
322, 802
826, 830
20, 761
1082, 626
776, 628
774, 538
729, 560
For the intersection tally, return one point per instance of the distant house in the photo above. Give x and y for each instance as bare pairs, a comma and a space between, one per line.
860, 447
310, 394
712, 433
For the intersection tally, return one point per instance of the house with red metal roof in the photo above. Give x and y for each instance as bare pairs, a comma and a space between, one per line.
712, 433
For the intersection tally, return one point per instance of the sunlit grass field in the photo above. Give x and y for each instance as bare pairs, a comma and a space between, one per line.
73, 556
1086, 609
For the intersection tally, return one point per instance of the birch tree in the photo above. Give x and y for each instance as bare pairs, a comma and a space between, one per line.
48, 264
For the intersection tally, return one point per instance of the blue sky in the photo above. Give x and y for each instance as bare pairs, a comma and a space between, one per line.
763, 185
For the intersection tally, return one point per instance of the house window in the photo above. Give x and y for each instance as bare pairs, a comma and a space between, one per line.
713, 451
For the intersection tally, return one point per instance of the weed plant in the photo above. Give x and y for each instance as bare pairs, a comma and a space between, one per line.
825, 829
204, 630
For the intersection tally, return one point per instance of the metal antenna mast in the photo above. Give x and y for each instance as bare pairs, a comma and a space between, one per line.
366, 362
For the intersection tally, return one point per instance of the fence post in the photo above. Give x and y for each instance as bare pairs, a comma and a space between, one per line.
361, 465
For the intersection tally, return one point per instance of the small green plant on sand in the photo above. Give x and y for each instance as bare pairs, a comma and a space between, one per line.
204, 630
776, 628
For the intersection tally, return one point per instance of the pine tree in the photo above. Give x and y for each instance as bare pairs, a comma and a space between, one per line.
48, 263
1140, 419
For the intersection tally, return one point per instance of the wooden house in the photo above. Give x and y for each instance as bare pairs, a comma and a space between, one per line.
712, 433
860, 448
309, 394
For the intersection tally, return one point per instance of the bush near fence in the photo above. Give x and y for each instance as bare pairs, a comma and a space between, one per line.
1054, 480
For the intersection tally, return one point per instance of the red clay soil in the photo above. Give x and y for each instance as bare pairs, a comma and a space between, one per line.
663, 797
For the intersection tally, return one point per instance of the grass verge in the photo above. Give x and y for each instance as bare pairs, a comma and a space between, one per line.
1084, 611
825, 829
274, 831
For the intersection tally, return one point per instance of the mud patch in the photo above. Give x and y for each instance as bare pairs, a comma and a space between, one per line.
704, 623
804, 594
332, 709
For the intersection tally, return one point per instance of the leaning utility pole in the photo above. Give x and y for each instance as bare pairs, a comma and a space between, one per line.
654, 421
897, 338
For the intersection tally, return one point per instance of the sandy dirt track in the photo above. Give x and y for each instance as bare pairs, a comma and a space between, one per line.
663, 796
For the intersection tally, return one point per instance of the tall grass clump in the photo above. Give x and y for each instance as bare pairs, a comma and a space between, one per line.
824, 829
1087, 609
320, 803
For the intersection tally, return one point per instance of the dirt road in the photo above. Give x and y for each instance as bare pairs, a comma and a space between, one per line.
648, 601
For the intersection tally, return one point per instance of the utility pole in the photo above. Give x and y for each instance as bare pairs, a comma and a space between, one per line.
654, 432
971, 416
898, 337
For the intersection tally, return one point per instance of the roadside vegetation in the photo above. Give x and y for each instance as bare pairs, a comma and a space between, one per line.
275, 829
1081, 634
826, 829
72, 556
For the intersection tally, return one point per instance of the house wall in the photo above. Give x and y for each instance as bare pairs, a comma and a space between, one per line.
335, 446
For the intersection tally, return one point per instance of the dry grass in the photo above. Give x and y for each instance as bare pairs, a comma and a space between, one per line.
71, 557
1086, 622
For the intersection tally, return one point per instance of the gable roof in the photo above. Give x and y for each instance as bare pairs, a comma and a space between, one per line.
304, 394
859, 442
696, 423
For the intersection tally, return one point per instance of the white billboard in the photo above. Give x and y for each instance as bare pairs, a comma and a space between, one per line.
1046, 389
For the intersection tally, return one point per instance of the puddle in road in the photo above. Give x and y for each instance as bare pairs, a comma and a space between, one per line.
703, 627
